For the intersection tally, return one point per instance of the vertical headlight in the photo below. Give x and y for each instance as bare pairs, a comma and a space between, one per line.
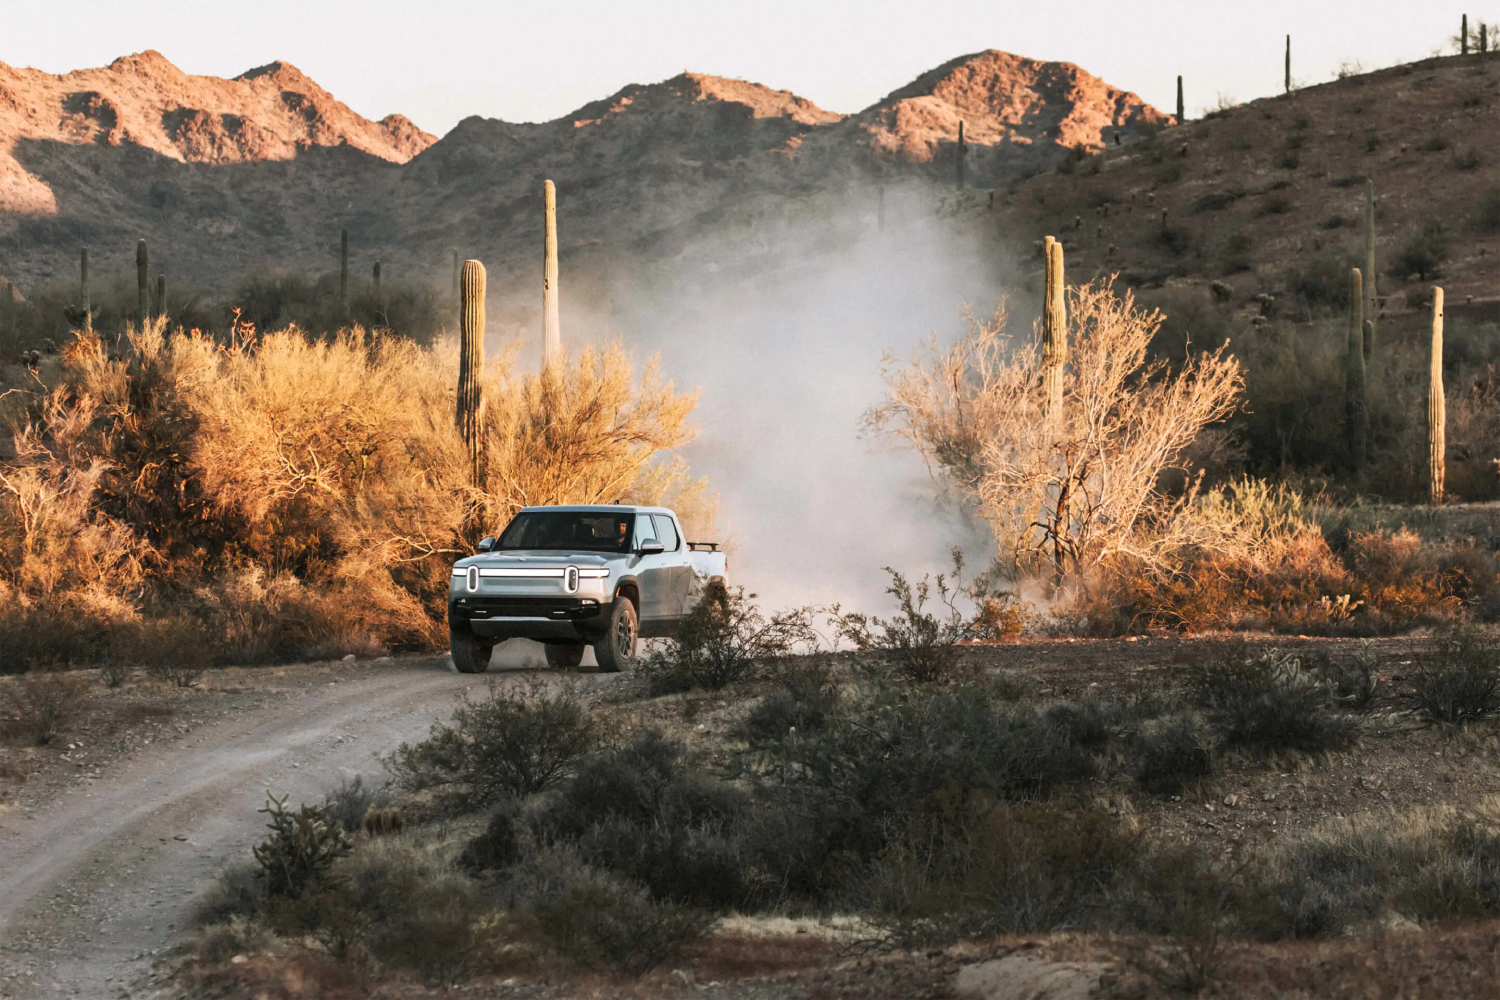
471, 580
570, 580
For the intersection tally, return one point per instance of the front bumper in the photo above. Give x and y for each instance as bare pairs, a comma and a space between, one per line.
513, 617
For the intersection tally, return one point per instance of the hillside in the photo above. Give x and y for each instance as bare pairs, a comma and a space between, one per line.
1268, 197
222, 175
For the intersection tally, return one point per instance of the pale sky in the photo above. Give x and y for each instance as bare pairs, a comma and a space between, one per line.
438, 62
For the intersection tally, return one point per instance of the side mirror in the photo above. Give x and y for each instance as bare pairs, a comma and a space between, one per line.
486, 544
651, 547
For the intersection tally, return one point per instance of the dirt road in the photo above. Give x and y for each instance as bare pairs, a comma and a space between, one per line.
97, 881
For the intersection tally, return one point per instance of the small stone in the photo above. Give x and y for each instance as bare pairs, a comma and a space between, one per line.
1231, 800
348, 657
238, 960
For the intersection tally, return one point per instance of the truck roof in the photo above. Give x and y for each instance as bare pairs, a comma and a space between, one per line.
601, 508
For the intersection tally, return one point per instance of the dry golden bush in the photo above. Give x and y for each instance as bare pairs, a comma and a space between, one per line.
1088, 489
307, 495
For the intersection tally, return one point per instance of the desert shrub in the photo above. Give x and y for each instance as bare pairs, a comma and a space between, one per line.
220, 942
922, 646
1322, 281
294, 495
1275, 204
173, 649
38, 706
1173, 751
300, 849
409, 908
1467, 159
1272, 703
1487, 218
518, 740
348, 803
979, 867
1334, 221
1457, 677
237, 894
1435, 144
1353, 680
1424, 255
870, 771
599, 919
1428, 864
115, 670
722, 640
499, 845
1216, 201
642, 812
801, 703
1063, 498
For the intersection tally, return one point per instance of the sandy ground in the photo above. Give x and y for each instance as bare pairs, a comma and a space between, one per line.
97, 874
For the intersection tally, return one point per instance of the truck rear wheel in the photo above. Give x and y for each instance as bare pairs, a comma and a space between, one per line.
616, 650
564, 655
470, 655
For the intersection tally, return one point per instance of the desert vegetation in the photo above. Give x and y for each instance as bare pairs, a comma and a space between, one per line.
177, 496
557, 830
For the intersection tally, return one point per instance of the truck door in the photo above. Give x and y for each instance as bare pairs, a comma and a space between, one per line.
679, 568
653, 573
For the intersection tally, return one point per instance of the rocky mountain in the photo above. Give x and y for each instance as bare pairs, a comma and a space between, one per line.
1267, 198
225, 175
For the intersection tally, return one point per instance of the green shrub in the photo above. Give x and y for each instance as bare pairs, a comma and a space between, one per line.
980, 868
499, 846
409, 908
348, 803
1272, 703
643, 813
1457, 679
802, 703
721, 641
598, 919
922, 645
516, 741
1424, 256
300, 849
1173, 751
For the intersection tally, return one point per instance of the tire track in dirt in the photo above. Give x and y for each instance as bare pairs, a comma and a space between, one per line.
96, 882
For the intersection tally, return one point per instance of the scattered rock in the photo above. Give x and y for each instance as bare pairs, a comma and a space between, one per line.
1024, 977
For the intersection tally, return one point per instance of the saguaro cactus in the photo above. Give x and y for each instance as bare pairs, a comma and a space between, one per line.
1463, 35
344, 269
1054, 334
1372, 302
1437, 415
159, 305
470, 415
963, 151
83, 289
1356, 413
551, 324
1287, 70
1181, 108
142, 282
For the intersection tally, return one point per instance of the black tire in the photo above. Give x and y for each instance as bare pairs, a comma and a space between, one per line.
564, 655
470, 655
616, 650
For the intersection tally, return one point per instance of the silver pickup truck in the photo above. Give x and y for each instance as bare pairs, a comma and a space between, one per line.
576, 576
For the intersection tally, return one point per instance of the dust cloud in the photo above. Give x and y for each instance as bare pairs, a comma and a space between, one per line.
782, 323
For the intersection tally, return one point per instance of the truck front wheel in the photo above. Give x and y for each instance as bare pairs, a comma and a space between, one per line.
470, 655
564, 655
616, 650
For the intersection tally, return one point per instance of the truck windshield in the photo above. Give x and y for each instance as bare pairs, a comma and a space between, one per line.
572, 531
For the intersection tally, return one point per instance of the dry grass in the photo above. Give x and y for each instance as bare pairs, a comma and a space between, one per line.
247, 490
